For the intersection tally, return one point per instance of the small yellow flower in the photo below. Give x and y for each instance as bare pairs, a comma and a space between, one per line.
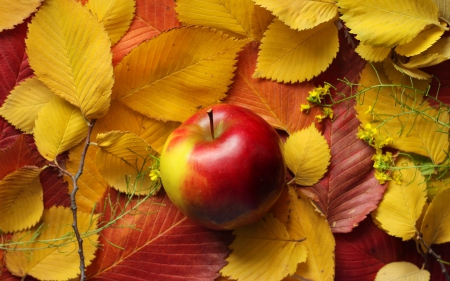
316, 95
305, 107
398, 178
320, 118
328, 112
382, 177
369, 110
155, 174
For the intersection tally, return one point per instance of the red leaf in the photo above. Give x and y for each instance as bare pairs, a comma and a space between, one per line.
55, 188
17, 155
278, 103
13, 59
162, 245
152, 17
360, 254
348, 191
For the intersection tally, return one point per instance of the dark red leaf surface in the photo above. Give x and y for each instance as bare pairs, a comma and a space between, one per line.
361, 253
151, 18
440, 86
13, 60
162, 245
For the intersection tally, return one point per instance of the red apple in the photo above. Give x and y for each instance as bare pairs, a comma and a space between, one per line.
227, 180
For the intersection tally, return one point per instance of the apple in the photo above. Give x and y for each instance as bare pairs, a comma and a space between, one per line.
223, 167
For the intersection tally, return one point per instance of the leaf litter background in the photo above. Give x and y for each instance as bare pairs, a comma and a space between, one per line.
166, 243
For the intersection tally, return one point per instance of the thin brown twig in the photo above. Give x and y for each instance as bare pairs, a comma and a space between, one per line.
73, 202
436, 256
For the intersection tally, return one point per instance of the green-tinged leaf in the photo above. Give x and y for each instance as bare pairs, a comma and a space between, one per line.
371, 53
15, 12
402, 203
421, 42
177, 72
388, 23
289, 55
116, 16
412, 127
59, 127
122, 118
69, 50
434, 187
56, 257
264, 251
124, 160
91, 184
307, 155
301, 14
22, 199
436, 223
229, 15
402, 271
24, 102
298, 214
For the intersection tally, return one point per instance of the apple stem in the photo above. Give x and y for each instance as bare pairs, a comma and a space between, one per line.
211, 121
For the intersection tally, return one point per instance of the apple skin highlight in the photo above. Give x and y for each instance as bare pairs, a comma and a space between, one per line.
227, 181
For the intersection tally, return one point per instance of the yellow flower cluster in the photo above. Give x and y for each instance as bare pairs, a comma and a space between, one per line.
383, 162
315, 97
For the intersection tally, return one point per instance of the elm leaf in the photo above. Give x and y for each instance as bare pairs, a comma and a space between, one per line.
15, 12
59, 127
24, 102
301, 14
264, 250
59, 249
290, 56
402, 271
436, 222
402, 203
116, 16
22, 199
124, 160
172, 91
307, 155
73, 57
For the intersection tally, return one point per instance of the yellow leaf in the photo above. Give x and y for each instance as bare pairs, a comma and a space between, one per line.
261, 18
24, 102
371, 53
421, 42
15, 12
124, 160
59, 127
402, 204
387, 23
289, 55
69, 50
91, 183
307, 155
22, 199
444, 9
57, 258
263, 251
408, 83
116, 16
301, 14
229, 15
436, 223
122, 118
412, 72
411, 127
301, 220
436, 54
177, 72
402, 271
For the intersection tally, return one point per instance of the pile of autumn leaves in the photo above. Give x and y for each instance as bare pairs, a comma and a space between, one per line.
161, 82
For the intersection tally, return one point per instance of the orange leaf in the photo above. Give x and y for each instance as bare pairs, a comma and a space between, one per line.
152, 17
279, 104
